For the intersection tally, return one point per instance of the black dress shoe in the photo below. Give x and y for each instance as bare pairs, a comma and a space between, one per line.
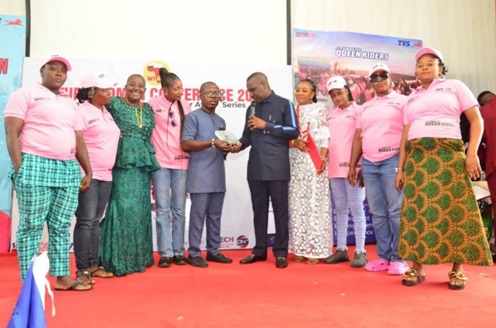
219, 258
164, 262
197, 261
281, 262
252, 258
179, 260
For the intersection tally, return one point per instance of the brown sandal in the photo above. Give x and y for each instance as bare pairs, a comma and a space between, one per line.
84, 277
100, 272
412, 278
313, 261
456, 277
299, 258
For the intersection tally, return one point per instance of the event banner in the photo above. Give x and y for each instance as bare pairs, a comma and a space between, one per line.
12, 39
318, 55
237, 216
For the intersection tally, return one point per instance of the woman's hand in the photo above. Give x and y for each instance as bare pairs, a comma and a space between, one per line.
85, 183
399, 181
472, 166
352, 177
322, 167
301, 144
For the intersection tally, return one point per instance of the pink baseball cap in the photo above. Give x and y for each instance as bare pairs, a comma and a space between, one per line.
98, 80
379, 67
429, 51
335, 82
59, 59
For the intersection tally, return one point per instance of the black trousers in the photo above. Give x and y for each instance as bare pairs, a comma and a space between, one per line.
278, 193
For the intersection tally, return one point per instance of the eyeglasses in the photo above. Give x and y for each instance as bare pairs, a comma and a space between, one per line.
212, 94
383, 76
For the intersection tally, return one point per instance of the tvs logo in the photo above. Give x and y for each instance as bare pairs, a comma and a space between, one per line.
243, 241
151, 72
16, 22
408, 43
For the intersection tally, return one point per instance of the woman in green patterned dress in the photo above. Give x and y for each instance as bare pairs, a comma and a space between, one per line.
126, 232
440, 219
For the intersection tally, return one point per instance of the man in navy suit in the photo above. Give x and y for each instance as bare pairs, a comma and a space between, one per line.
270, 125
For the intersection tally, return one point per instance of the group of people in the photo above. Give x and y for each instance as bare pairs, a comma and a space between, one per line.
406, 151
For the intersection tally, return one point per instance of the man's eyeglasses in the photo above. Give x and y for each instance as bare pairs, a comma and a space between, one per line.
383, 76
212, 93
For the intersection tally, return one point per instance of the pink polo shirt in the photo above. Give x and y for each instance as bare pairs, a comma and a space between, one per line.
166, 137
342, 125
101, 136
50, 122
381, 121
435, 111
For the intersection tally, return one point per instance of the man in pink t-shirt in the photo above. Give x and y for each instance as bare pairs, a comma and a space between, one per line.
43, 143
377, 139
169, 183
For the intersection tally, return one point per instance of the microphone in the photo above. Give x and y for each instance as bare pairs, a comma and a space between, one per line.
252, 108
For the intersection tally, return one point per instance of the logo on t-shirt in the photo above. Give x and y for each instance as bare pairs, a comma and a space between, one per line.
40, 98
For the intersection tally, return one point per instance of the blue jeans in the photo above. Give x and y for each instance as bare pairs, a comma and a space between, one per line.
385, 204
348, 197
169, 186
90, 211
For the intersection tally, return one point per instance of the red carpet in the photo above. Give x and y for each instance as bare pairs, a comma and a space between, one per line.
259, 295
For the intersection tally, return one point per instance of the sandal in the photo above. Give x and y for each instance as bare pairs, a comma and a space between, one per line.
313, 261
412, 278
76, 286
100, 272
299, 258
457, 280
84, 277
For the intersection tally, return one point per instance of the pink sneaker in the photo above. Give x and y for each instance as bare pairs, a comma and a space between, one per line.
377, 265
397, 268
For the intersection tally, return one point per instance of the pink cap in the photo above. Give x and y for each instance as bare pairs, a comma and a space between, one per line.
98, 80
429, 51
59, 59
379, 67
335, 82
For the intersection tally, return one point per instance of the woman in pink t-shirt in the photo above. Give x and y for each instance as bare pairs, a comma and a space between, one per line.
43, 140
342, 124
101, 136
440, 219
377, 139
169, 183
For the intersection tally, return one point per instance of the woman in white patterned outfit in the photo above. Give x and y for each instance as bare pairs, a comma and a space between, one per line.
310, 228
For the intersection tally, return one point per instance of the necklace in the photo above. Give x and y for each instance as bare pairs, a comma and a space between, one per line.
139, 119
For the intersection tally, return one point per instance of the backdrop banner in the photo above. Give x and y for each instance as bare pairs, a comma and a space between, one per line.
12, 39
318, 55
237, 217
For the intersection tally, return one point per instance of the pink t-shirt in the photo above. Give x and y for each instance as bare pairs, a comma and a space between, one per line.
50, 122
435, 112
166, 137
342, 125
381, 121
101, 136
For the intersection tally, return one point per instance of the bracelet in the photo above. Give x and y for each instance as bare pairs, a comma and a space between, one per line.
324, 158
398, 169
213, 143
292, 142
